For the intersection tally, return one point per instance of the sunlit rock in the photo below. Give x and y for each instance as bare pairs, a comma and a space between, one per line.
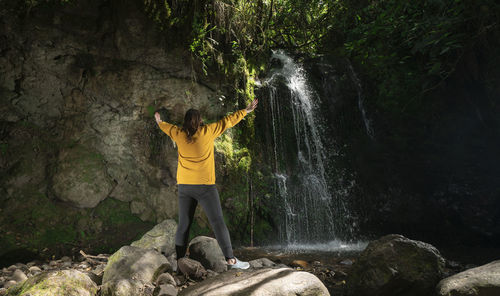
480, 281
265, 281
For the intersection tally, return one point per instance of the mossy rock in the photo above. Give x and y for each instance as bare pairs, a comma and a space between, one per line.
161, 238
66, 282
81, 177
135, 263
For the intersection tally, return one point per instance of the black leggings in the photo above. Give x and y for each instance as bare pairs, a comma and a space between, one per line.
208, 197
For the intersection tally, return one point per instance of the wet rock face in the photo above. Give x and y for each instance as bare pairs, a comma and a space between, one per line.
396, 265
78, 88
97, 91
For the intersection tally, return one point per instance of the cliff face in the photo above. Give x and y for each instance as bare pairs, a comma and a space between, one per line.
81, 155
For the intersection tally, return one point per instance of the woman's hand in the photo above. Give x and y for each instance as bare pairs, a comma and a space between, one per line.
252, 105
157, 117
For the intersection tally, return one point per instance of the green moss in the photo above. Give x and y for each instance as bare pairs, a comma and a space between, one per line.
3, 148
151, 110
34, 222
115, 212
46, 286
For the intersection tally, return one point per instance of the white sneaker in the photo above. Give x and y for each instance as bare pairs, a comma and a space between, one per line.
239, 264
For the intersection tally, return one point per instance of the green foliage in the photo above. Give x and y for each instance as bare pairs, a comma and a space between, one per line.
233, 37
160, 12
3, 148
238, 173
151, 111
408, 48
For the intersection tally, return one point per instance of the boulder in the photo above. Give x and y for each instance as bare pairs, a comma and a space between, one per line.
265, 281
135, 263
396, 265
206, 250
81, 177
161, 238
68, 282
479, 281
191, 268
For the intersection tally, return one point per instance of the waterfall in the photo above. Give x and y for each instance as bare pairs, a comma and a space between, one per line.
310, 211
361, 105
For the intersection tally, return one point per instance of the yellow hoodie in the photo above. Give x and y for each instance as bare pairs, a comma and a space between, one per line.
196, 163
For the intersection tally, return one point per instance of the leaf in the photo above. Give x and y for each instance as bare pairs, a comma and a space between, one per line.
445, 50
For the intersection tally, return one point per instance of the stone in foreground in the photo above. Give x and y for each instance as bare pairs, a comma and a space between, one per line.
135, 263
261, 262
68, 282
260, 282
480, 281
126, 287
206, 250
395, 265
131, 271
191, 268
160, 238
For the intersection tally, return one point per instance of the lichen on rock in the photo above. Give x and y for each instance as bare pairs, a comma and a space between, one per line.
68, 282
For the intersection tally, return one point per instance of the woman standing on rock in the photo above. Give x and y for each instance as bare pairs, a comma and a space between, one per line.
196, 176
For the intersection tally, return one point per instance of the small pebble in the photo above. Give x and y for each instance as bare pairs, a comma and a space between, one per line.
300, 263
167, 290
211, 273
99, 270
31, 263
83, 265
19, 276
165, 278
340, 273
178, 282
9, 284
12, 268
34, 269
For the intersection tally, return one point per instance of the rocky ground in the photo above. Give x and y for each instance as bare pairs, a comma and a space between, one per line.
168, 283
391, 265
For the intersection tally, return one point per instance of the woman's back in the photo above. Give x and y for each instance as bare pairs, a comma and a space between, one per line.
196, 163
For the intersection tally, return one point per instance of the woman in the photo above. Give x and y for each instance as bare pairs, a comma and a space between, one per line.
196, 176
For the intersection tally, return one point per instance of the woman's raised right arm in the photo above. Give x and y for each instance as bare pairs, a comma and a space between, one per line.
167, 128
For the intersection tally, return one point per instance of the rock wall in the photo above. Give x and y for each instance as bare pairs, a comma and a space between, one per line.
79, 84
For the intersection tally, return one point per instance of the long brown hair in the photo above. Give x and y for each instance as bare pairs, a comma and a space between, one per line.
192, 121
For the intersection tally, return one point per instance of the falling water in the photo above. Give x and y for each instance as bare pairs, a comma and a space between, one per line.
361, 105
310, 213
